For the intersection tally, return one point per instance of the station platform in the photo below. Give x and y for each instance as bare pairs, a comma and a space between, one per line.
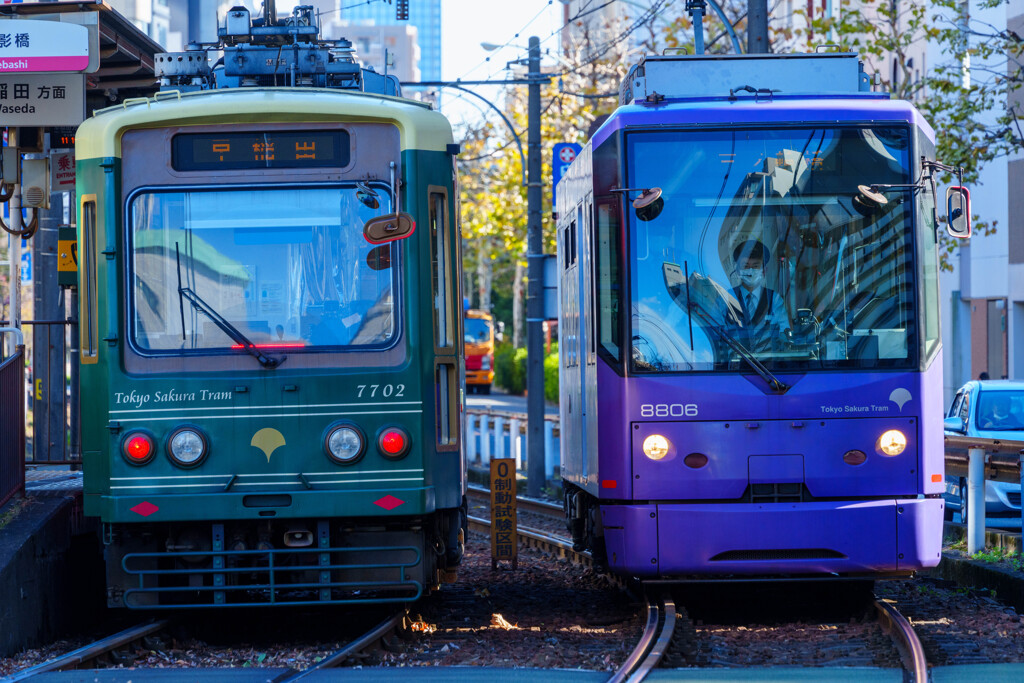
50, 560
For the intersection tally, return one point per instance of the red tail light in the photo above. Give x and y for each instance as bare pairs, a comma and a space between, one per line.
393, 442
138, 448
296, 345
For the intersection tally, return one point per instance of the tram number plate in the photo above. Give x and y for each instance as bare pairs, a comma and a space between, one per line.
668, 410
504, 541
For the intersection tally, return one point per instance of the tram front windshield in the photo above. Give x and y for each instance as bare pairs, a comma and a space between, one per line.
777, 247
285, 268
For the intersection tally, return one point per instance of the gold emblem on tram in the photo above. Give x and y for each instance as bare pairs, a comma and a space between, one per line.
267, 440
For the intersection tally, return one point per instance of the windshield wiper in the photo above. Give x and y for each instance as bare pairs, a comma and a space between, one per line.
673, 281
236, 335
777, 385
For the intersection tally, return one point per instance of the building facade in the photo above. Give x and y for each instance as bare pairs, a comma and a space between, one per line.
424, 16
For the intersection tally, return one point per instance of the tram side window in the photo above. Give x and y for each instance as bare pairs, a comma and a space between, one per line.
441, 269
608, 275
929, 257
88, 300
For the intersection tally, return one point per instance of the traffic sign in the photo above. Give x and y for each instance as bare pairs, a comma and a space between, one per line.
504, 538
562, 157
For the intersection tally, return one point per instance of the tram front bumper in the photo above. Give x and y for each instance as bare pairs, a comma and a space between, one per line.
827, 538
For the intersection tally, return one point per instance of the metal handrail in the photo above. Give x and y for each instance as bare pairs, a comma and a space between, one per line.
1002, 456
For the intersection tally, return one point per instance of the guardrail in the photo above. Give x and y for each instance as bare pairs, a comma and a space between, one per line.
499, 434
12, 422
978, 459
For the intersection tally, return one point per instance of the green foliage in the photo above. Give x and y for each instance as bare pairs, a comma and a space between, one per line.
551, 375
510, 368
1000, 556
970, 109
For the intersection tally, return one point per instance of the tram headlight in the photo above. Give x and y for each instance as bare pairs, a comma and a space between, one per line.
137, 448
656, 446
485, 362
892, 442
344, 443
187, 447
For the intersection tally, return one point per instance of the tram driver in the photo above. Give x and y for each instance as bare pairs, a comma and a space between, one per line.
749, 313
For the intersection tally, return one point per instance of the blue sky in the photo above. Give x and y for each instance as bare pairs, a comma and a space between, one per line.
467, 23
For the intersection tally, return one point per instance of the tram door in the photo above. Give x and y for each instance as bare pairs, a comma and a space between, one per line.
588, 337
568, 345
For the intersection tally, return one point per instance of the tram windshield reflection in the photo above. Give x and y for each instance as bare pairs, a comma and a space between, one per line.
288, 267
766, 248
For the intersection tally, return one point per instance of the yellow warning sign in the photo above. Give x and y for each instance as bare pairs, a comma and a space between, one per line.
67, 256
504, 544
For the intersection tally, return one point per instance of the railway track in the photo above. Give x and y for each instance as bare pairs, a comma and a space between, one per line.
84, 656
540, 507
338, 658
670, 636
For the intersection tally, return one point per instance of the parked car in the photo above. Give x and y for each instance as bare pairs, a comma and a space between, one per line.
992, 409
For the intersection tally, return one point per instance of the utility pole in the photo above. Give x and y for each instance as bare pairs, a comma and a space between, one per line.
757, 27
14, 253
535, 474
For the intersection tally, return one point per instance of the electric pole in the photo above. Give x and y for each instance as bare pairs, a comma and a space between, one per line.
757, 27
535, 474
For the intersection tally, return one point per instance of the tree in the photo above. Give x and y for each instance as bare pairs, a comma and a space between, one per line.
494, 203
972, 111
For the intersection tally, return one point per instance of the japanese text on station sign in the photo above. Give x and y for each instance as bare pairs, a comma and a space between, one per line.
504, 546
42, 46
42, 99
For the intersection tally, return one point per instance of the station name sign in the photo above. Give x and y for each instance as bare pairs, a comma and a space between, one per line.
31, 46
42, 99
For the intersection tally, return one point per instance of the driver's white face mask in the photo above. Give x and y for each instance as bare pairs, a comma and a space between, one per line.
751, 277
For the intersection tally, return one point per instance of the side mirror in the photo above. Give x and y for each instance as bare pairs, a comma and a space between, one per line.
958, 212
954, 424
649, 204
394, 226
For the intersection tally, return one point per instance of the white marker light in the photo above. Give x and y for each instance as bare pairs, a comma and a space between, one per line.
892, 442
656, 447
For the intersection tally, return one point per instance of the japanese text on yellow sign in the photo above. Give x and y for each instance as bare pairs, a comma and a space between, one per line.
503, 511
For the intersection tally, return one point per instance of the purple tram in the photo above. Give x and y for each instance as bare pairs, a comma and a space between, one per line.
750, 361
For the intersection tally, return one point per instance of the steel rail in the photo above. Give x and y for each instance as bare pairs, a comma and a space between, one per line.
536, 538
668, 625
76, 658
907, 642
361, 643
646, 639
541, 507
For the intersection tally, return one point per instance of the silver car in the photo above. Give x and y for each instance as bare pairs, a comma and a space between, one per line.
992, 409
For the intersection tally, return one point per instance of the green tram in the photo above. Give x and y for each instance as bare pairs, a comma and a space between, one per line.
271, 343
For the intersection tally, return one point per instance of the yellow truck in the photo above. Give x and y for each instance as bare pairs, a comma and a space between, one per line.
479, 346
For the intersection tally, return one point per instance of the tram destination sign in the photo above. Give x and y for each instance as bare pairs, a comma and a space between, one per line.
239, 151
42, 99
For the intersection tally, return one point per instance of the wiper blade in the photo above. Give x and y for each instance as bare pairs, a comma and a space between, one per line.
673, 281
229, 329
777, 385
236, 335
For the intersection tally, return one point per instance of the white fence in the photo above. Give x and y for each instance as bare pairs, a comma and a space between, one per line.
491, 434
